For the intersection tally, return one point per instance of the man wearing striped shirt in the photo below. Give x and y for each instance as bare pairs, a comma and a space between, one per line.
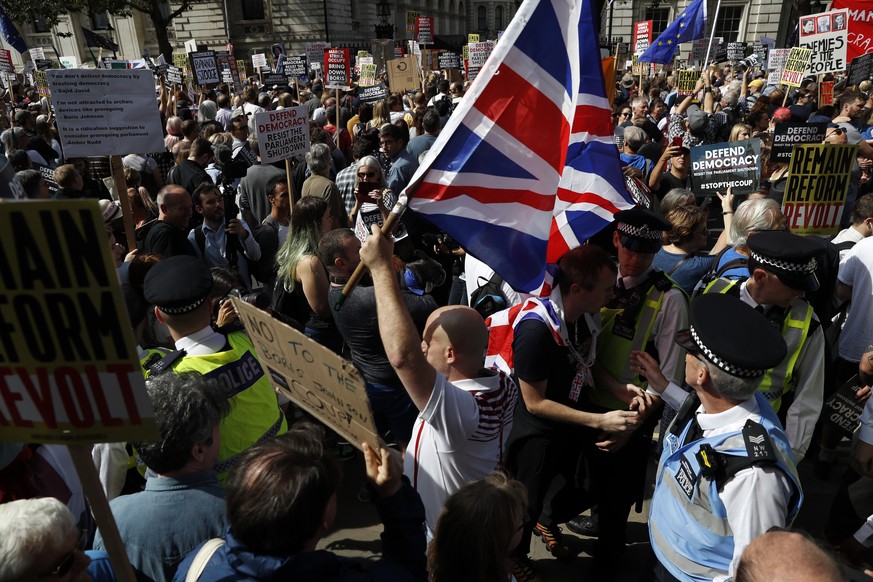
465, 410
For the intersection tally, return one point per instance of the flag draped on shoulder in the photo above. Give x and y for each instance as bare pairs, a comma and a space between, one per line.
526, 167
502, 326
10, 33
690, 25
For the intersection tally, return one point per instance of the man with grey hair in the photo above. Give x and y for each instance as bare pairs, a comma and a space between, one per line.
787, 556
184, 500
634, 139
727, 474
319, 183
640, 118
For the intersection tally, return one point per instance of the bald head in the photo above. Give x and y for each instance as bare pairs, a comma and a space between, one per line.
783, 556
463, 330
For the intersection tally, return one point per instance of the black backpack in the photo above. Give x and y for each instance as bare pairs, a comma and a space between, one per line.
488, 299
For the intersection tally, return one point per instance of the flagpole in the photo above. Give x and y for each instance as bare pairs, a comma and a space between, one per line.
711, 35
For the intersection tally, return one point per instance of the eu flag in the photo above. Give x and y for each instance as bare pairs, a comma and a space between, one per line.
10, 33
690, 25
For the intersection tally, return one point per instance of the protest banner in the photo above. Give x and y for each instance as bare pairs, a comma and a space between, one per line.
860, 69
6, 62
282, 134
336, 68
368, 74
826, 93
275, 80
411, 18
472, 38
819, 33
424, 29
180, 60
66, 62
736, 51
174, 75
479, 53
36, 54
860, 28
795, 67
642, 36
787, 134
295, 66
843, 409
449, 60
699, 49
204, 67
403, 74
43, 64
372, 93
315, 53
717, 167
70, 369
818, 182
226, 61
102, 113
41, 82
311, 376
778, 58
687, 80
259, 62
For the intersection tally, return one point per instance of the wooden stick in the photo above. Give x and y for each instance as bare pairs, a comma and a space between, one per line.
81, 455
787, 91
124, 200
290, 187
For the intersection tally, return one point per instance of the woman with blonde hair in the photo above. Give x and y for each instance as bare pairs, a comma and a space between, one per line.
740, 131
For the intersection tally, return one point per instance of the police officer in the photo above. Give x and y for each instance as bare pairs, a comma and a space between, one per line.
782, 268
179, 288
726, 474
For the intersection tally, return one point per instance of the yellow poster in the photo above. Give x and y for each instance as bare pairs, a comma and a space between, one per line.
818, 182
796, 66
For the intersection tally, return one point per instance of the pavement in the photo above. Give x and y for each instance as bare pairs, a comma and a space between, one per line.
356, 529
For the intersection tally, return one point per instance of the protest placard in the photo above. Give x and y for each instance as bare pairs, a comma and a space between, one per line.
687, 80
449, 60
226, 76
368, 74
227, 61
275, 80
336, 68
295, 66
479, 53
424, 29
372, 93
102, 113
66, 62
788, 134
43, 64
180, 60
762, 51
843, 409
259, 62
642, 36
736, 51
795, 67
860, 69
315, 53
826, 93
403, 74
411, 17
70, 369
699, 49
174, 75
6, 62
282, 134
818, 182
717, 167
205, 68
778, 58
48, 174
37, 53
312, 376
41, 82
827, 43
472, 38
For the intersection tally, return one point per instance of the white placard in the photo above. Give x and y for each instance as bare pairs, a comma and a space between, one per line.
259, 61
825, 35
282, 134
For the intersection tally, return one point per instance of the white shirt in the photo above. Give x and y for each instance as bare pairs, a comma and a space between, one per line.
856, 270
458, 438
202, 343
477, 273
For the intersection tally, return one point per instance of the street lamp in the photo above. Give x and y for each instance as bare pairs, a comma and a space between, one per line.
384, 29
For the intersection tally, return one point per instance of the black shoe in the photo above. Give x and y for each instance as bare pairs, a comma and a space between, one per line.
585, 525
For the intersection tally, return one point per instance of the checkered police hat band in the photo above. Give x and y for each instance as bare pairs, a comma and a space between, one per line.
183, 309
643, 232
721, 364
807, 268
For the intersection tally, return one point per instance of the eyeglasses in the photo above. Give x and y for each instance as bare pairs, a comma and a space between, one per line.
835, 131
625, 114
366, 174
69, 559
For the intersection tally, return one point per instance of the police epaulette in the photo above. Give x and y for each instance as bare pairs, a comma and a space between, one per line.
166, 362
759, 446
661, 281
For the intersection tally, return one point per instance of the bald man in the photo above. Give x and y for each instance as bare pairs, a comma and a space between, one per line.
465, 411
784, 556
169, 235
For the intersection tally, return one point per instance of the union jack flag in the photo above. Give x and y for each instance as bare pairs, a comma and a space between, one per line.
526, 168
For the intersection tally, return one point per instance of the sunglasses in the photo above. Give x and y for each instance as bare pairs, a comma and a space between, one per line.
836, 131
625, 114
366, 174
66, 564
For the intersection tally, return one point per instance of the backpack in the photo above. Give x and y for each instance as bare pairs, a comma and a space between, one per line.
488, 299
715, 271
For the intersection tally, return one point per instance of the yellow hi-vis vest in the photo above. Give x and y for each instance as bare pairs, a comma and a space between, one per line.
780, 380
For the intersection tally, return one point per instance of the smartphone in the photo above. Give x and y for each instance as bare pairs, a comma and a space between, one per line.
677, 141
364, 189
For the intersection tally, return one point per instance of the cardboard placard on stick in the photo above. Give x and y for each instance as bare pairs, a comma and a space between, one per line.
295, 66
312, 376
687, 80
818, 183
826, 93
795, 66
819, 33
449, 60
860, 69
642, 36
282, 134
403, 74
205, 68
786, 135
337, 66
372, 93
717, 167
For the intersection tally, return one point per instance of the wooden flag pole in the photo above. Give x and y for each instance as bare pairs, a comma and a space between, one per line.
124, 200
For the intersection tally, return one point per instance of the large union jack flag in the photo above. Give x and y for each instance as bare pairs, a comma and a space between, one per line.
526, 168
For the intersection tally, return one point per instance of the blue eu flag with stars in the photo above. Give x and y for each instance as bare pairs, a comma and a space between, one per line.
690, 25
10, 33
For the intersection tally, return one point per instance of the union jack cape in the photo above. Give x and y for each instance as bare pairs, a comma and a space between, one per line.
502, 325
526, 167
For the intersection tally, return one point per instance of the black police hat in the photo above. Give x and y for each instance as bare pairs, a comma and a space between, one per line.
788, 256
178, 285
732, 335
640, 230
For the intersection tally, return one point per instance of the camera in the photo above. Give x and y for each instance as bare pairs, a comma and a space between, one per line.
750, 62
258, 299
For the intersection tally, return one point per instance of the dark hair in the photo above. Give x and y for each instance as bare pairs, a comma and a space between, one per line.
190, 129
270, 189
392, 131
582, 266
331, 246
863, 209
223, 281
201, 190
20, 160
187, 409
366, 144
200, 147
277, 495
431, 121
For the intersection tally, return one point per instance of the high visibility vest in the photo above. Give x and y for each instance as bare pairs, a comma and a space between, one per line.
688, 525
780, 380
254, 414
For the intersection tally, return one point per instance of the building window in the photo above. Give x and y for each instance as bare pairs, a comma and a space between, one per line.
498, 18
253, 9
660, 18
100, 21
729, 21
41, 26
353, 9
482, 18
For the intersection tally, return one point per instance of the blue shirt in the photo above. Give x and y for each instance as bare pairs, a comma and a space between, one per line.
688, 273
402, 169
213, 250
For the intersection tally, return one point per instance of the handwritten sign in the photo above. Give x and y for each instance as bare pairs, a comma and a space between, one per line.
282, 134
818, 182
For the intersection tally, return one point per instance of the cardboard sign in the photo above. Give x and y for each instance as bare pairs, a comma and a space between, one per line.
312, 376
227, 61
48, 174
373, 93
842, 409
411, 18
736, 51
174, 75
282, 134
642, 36
717, 167
687, 80
403, 74
41, 82
259, 62
424, 29
472, 38
368, 74
36, 53
180, 60
205, 68
449, 60
795, 67
826, 93
825, 35
818, 182
786, 135
295, 66
102, 113
315, 53
479, 53
70, 370
336, 68
860, 69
